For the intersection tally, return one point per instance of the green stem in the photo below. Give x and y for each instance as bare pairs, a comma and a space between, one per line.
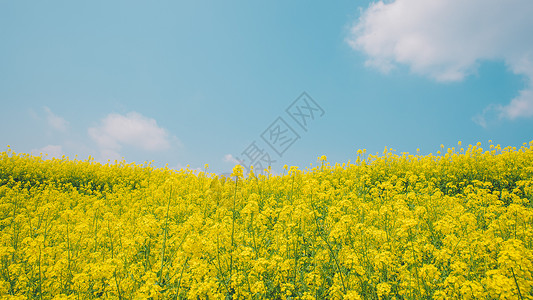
517, 287
164, 241
68, 248
325, 238
219, 269
181, 275
110, 239
118, 285
415, 264
233, 229
40, 279
95, 230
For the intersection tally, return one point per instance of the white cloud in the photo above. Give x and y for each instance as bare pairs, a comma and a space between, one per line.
55, 121
521, 106
489, 113
49, 150
131, 130
111, 155
447, 39
231, 159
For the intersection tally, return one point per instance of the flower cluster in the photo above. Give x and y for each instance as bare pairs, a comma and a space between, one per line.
458, 224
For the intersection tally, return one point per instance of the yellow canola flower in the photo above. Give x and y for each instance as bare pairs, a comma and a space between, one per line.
388, 226
237, 171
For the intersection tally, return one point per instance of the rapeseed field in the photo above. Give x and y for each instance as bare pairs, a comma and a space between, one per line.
454, 225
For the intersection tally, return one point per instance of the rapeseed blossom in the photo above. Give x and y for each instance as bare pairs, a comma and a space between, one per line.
456, 225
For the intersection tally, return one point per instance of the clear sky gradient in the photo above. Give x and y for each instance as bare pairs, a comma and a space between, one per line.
199, 82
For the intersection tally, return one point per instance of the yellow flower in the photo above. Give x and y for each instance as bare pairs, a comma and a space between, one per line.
352, 295
383, 289
238, 171
453, 226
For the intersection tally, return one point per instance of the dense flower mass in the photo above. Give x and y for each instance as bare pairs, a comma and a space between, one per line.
458, 224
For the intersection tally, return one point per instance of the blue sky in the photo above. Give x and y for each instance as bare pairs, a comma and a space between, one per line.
200, 82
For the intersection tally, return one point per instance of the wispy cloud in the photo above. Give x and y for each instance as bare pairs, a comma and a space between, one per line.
55, 121
50, 151
131, 130
231, 159
521, 106
447, 39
